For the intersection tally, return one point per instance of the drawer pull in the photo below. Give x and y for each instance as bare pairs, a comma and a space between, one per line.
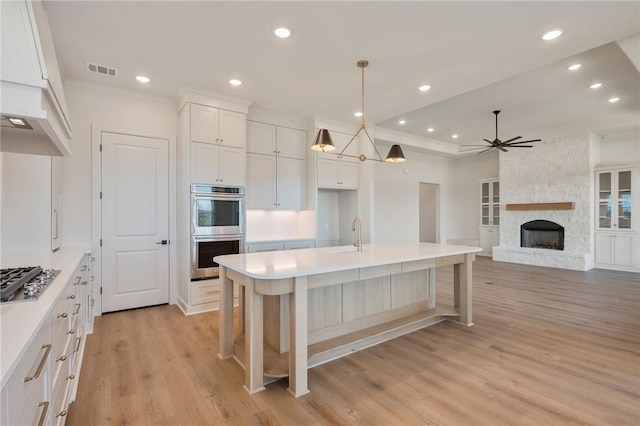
78, 339
42, 361
63, 315
84, 282
44, 412
77, 309
62, 358
212, 292
92, 278
71, 296
71, 377
71, 332
61, 414
84, 268
93, 258
78, 282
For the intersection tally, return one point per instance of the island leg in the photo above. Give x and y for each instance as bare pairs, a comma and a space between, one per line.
298, 338
226, 315
462, 289
253, 343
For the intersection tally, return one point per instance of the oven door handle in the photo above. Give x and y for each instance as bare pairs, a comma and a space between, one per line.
218, 237
218, 197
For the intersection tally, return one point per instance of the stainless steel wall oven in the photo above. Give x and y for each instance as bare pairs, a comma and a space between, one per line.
204, 249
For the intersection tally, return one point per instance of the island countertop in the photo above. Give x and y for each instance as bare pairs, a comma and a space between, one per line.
303, 262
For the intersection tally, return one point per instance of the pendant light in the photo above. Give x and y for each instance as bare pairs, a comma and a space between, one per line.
324, 143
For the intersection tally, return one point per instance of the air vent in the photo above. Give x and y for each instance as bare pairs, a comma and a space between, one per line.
101, 69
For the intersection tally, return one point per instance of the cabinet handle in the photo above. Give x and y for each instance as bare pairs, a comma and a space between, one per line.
71, 331
42, 361
93, 259
84, 268
211, 292
77, 309
92, 302
85, 282
221, 180
61, 358
71, 296
63, 315
44, 412
92, 278
78, 339
77, 282
61, 414
71, 377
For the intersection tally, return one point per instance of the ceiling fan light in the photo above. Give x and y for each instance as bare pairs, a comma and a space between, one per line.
323, 142
395, 155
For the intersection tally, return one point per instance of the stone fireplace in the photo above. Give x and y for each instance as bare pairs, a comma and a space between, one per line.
542, 234
555, 171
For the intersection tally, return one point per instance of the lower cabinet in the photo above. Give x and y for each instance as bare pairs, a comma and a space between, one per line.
41, 388
615, 249
279, 245
489, 238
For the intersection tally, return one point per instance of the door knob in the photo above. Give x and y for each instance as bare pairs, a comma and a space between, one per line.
163, 242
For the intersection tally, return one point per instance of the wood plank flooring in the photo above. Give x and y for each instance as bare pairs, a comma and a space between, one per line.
549, 347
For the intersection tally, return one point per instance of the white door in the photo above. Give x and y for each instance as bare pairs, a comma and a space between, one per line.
135, 221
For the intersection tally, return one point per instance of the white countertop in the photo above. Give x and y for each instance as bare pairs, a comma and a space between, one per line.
297, 263
20, 321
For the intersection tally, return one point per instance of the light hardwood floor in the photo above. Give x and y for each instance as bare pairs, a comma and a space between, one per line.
549, 347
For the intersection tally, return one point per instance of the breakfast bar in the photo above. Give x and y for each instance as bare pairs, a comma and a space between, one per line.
301, 308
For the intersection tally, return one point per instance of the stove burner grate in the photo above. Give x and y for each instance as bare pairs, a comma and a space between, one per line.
12, 280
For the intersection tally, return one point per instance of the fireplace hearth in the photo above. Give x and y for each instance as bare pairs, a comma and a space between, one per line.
542, 234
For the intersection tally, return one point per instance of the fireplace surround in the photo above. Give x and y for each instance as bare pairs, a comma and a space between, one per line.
542, 234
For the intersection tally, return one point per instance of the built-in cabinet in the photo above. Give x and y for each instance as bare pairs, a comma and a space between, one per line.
279, 245
45, 380
276, 167
218, 139
616, 233
489, 215
337, 171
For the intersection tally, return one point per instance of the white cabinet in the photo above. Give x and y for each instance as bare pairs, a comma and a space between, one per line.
341, 141
337, 174
32, 193
276, 167
489, 215
616, 242
217, 126
211, 164
279, 245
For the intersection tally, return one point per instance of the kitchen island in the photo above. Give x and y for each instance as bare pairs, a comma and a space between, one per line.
301, 308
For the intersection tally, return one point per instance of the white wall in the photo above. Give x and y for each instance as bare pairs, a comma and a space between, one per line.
397, 196
468, 171
429, 217
90, 105
623, 149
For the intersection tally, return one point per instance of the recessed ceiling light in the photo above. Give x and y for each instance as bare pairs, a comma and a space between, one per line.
455, 136
235, 82
595, 86
612, 100
143, 79
282, 32
552, 35
424, 88
357, 114
401, 121
430, 129
17, 121
574, 67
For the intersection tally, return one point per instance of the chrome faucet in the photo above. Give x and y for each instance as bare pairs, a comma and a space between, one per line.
358, 243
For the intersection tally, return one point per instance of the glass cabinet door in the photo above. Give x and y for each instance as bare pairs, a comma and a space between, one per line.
604, 201
490, 203
485, 193
624, 200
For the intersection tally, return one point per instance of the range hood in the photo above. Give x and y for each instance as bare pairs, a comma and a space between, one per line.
33, 110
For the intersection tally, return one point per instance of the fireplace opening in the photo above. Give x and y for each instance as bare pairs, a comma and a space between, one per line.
542, 234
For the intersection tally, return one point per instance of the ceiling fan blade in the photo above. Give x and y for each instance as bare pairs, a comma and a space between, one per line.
521, 142
511, 140
485, 150
484, 146
501, 148
475, 149
520, 146
488, 141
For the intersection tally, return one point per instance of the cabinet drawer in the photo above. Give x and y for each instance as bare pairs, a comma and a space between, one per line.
23, 397
299, 245
261, 247
59, 400
205, 293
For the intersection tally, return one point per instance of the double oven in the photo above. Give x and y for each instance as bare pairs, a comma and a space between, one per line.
217, 227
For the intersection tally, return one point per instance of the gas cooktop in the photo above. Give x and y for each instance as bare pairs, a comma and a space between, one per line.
24, 283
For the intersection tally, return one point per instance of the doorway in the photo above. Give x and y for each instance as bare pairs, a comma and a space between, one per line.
429, 212
135, 231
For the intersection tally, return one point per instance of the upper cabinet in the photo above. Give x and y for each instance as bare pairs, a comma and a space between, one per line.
30, 83
490, 202
276, 167
218, 126
614, 197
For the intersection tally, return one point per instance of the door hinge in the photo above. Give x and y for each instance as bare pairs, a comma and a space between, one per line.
101, 195
100, 242
100, 147
100, 290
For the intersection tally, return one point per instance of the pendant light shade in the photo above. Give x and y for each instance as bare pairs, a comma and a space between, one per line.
323, 142
395, 155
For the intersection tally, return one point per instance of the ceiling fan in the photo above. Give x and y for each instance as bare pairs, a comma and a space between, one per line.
498, 144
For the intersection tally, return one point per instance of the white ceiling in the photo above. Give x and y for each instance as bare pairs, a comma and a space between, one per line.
477, 56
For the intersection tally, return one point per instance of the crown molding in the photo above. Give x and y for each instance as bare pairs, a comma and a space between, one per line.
123, 92
196, 95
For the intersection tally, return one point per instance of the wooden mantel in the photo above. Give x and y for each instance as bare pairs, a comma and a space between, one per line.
542, 206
